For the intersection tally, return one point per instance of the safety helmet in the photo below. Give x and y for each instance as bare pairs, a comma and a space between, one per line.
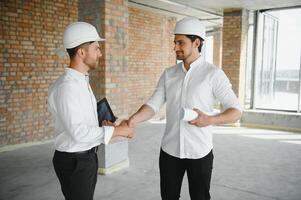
190, 26
78, 33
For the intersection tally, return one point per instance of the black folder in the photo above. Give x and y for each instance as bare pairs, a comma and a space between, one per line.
104, 111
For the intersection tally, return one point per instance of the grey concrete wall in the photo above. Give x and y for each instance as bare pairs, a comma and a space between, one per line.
272, 120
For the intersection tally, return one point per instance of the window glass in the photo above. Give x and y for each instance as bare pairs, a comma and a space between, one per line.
277, 79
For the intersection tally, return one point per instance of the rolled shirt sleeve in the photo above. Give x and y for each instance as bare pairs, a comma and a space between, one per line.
73, 118
158, 97
222, 90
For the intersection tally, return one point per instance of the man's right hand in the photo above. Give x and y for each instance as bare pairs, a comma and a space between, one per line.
123, 130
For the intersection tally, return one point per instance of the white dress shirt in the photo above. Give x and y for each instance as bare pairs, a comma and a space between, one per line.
199, 87
74, 109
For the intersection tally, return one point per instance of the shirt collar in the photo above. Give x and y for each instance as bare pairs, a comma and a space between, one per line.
195, 63
76, 74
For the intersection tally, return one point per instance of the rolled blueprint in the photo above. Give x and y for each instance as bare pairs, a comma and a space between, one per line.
188, 114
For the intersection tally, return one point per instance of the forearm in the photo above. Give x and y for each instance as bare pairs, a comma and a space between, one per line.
144, 113
230, 115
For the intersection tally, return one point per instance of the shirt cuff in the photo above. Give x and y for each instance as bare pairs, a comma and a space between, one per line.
108, 133
152, 107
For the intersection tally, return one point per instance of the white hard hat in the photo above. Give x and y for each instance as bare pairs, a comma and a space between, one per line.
190, 26
78, 33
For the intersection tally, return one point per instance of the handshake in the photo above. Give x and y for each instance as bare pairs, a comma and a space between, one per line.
124, 129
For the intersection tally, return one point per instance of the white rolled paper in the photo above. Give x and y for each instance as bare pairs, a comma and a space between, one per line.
188, 114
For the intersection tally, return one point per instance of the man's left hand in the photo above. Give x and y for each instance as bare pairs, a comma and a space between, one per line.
202, 120
107, 123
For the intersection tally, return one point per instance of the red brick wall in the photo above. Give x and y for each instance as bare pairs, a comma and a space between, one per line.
150, 52
138, 46
116, 55
94, 12
30, 31
234, 48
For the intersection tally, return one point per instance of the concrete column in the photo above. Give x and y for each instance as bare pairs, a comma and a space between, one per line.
110, 79
235, 29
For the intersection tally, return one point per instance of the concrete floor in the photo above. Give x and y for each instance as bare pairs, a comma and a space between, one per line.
249, 164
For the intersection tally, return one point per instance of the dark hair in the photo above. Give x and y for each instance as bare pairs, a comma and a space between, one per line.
193, 38
73, 51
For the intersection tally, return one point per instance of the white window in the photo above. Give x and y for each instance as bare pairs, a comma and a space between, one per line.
278, 55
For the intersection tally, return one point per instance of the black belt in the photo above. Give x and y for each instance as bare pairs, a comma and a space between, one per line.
92, 150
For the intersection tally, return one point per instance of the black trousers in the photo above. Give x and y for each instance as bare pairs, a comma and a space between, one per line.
77, 174
172, 170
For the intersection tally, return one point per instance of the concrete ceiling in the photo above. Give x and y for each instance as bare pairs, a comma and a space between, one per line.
219, 5
210, 12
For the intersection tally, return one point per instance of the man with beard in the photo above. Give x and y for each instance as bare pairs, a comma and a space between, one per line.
73, 106
193, 84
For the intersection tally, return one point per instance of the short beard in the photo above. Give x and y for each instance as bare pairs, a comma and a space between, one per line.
91, 65
183, 57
